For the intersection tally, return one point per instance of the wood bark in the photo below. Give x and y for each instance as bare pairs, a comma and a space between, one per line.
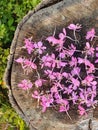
41, 22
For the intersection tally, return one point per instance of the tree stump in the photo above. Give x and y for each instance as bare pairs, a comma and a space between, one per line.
41, 22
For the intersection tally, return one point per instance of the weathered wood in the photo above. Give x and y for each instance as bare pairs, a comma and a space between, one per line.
41, 22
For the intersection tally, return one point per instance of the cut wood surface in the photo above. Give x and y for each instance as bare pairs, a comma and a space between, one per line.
48, 16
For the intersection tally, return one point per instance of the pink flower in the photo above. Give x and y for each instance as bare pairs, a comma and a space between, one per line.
75, 71
75, 82
50, 74
29, 45
91, 102
96, 61
25, 84
57, 75
29, 64
58, 42
80, 60
83, 95
74, 97
71, 50
54, 89
39, 46
96, 54
87, 96
60, 63
46, 61
53, 40
19, 60
89, 81
64, 105
73, 61
90, 34
89, 50
90, 68
64, 74
62, 54
62, 36
96, 48
82, 111
49, 60
62, 108
59, 85
26, 64
36, 95
38, 82
94, 90
46, 101
68, 90
74, 27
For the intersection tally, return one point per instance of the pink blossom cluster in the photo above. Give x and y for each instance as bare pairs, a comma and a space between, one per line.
69, 70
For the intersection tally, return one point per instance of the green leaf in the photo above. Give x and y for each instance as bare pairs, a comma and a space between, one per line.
2, 30
12, 28
35, 2
10, 21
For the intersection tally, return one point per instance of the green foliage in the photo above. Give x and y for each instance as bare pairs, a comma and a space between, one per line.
8, 116
11, 12
3, 60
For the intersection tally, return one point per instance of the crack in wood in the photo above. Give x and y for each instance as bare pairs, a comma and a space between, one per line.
90, 125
